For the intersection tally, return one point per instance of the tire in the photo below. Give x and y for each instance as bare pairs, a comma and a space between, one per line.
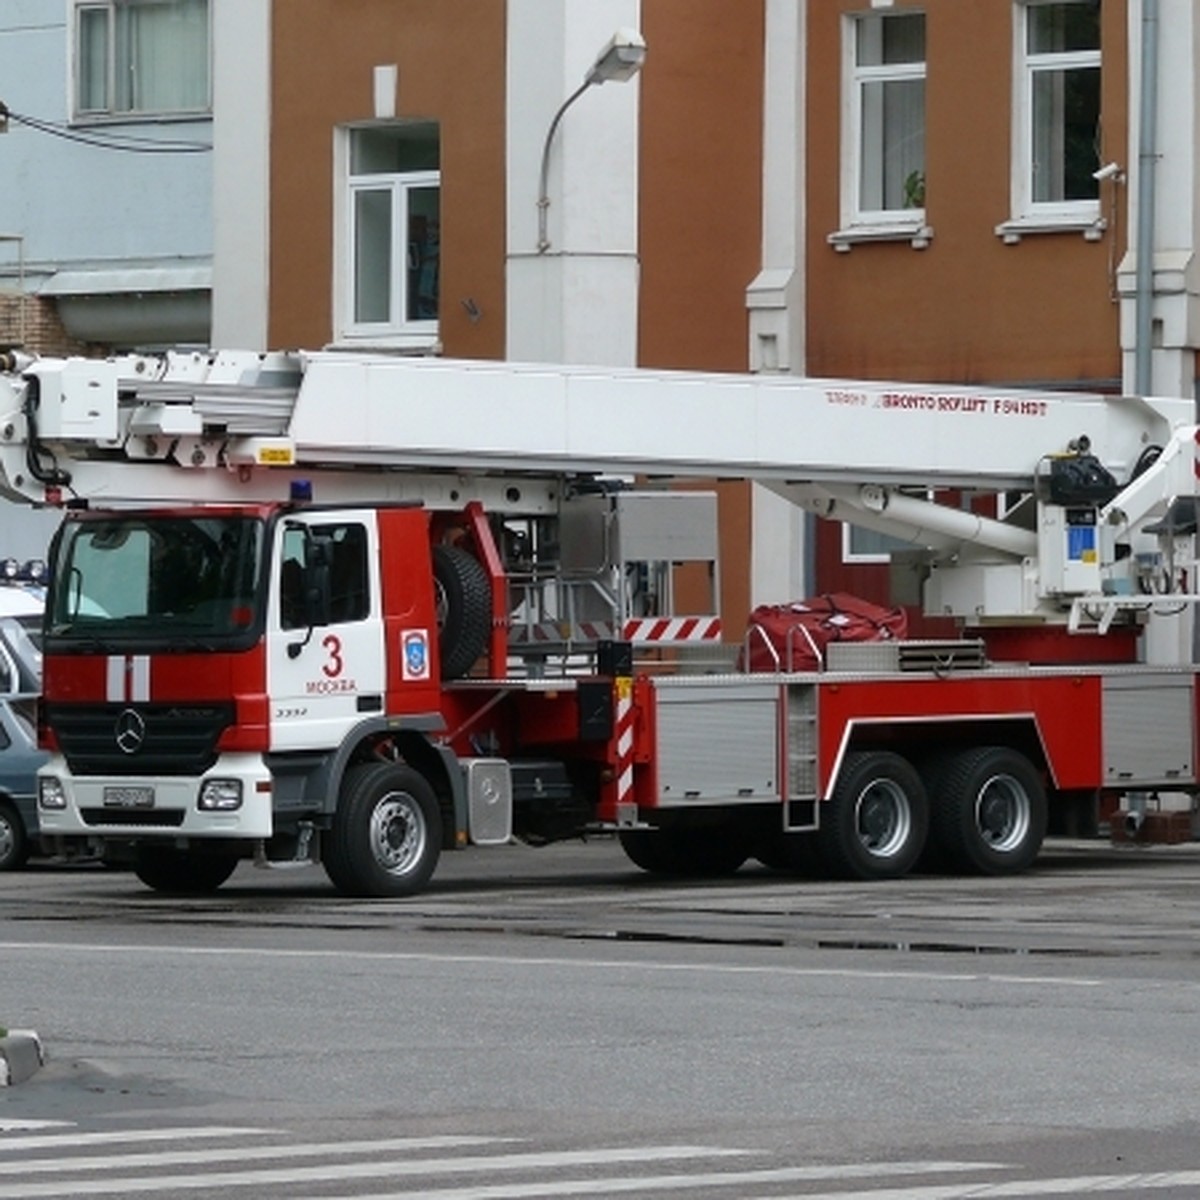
387, 832
14, 844
988, 811
463, 596
183, 872
791, 854
707, 853
875, 824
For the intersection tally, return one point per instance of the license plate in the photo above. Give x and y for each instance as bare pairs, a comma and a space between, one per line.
128, 797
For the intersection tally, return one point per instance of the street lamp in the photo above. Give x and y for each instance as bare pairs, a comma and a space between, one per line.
621, 59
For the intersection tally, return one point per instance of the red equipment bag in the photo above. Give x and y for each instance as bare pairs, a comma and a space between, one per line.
793, 637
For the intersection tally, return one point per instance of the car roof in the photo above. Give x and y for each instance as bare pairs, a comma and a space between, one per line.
17, 601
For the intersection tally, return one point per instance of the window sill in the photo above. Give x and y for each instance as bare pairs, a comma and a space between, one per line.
1011, 232
917, 234
93, 120
394, 343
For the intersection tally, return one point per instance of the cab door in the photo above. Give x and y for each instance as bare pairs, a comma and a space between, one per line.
325, 644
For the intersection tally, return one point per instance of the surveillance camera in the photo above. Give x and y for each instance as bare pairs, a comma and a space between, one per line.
1108, 171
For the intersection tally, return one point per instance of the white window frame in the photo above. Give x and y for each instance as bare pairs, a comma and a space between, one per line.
859, 224
400, 332
109, 113
1030, 215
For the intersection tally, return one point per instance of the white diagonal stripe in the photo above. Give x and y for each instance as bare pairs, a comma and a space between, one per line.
224, 1154
50, 1141
130, 1185
690, 1182
1078, 1185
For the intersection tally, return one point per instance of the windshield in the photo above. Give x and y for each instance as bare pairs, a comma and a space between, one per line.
166, 577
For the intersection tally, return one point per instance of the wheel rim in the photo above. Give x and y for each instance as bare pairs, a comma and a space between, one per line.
441, 605
1003, 813
883, 818
8, 838
398, 833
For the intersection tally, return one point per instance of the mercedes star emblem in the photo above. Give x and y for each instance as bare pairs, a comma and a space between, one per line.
130, 731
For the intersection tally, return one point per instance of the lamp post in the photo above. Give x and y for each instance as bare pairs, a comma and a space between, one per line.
621, 59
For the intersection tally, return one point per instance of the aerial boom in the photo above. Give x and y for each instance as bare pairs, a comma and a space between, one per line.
230, 427
242, 412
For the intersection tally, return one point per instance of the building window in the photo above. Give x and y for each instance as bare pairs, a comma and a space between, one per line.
142, 58
393, 238
1058, 118
861, 545
884, 154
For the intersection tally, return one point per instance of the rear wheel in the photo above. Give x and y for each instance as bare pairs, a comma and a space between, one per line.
705, 852
790, 853
183, 872
874, 825
989, 811
14, 845
387, 832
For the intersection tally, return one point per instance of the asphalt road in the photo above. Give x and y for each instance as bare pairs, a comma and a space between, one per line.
552, 1022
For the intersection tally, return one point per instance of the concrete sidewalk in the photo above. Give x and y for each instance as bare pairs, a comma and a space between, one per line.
21, 1056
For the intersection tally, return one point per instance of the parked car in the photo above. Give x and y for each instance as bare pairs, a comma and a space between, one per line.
20, 682
19, 762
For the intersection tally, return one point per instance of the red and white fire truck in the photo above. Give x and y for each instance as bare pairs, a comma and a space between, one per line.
360, 610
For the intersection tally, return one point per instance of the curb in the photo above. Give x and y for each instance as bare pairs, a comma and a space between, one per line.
21, 1055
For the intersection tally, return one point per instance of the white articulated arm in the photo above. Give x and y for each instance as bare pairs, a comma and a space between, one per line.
1173, 474
911, 519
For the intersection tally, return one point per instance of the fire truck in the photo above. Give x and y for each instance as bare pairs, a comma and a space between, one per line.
362, 610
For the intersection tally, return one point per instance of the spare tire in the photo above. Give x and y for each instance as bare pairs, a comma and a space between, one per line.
463, 596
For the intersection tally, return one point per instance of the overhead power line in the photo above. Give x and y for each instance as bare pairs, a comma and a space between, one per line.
129, 143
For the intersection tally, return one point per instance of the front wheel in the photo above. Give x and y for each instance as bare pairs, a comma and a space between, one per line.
183, 872
387, 832
874, 825
14, 845
989, 811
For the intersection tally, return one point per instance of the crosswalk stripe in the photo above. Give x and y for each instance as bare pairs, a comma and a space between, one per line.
713, 1179
1079, 1185
53, 1141
348, 1171
178, 1158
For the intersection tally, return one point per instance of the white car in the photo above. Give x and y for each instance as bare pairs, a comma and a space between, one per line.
20, 682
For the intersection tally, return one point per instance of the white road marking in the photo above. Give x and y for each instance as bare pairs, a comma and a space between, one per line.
1080, 1185
590, 964
712, 1179
225, 1154
53, 1141
361, 1170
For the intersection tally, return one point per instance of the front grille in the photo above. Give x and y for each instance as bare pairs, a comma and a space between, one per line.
119, 816
179, 739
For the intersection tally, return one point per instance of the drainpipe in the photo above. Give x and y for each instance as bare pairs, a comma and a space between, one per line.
1147, 167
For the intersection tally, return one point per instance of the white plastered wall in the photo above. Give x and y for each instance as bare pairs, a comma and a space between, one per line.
1176, 286
241, 172
1175, 305
775, 298
578, 301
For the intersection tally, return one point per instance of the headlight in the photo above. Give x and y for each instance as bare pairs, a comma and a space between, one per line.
51, 793
220, 795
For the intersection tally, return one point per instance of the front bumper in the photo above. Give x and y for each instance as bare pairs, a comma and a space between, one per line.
151, 806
